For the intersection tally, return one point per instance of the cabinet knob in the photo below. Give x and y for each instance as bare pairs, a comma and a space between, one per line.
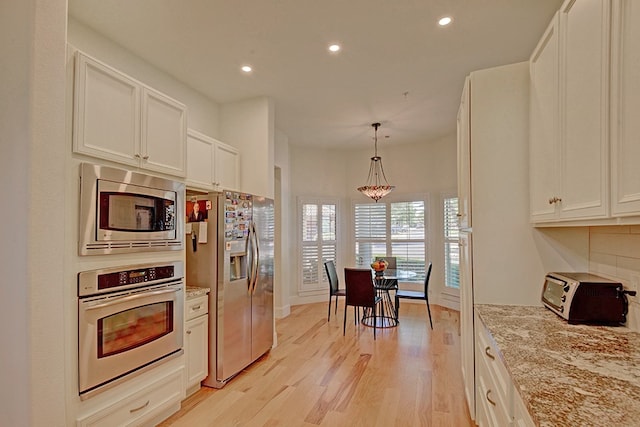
459, 215
189, 332
145, 157
137, 156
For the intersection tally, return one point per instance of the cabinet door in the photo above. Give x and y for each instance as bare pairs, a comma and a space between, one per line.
200, 155
625, 107
106, 112
466, 321
464, 159
584, 53
196, 344
226, 170
543, 125
164, 132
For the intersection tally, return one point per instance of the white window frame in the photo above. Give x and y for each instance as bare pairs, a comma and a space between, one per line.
388, 200
322, 284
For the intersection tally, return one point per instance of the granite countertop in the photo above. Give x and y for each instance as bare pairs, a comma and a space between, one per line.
568, 375
195, 291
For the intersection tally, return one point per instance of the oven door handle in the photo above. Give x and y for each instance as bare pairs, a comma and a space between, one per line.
127, 298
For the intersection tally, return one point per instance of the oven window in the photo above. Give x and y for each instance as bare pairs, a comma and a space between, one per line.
133, 328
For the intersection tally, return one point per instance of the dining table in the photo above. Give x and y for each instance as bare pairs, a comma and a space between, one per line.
384, 283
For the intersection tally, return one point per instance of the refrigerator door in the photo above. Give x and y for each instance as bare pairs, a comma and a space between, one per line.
233, 309
262, 293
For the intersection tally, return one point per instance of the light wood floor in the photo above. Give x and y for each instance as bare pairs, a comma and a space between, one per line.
409, 376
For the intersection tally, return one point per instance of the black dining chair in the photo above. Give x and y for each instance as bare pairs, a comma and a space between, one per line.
334, 288
359, 293
423, 295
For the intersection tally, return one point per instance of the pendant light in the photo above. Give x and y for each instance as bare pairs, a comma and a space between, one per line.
377, 185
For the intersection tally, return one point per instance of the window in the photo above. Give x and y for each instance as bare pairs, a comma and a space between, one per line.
451, 243
318, 241
392, 229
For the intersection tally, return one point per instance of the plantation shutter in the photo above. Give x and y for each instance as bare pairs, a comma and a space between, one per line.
451, 243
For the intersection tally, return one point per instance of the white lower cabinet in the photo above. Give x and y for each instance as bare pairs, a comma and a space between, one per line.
147, 406
521, 417
498, 404
195, 342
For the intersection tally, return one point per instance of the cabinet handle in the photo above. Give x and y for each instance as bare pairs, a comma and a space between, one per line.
189, 332
491, 356
139, 407
145, 157
459, 215
489, 399
196, 307
554, 199
137, 156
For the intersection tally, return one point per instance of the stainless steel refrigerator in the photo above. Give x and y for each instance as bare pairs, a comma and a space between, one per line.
231, 252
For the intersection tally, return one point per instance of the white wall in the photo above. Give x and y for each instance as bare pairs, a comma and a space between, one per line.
614, 252
284, 217
32, 43
425, 168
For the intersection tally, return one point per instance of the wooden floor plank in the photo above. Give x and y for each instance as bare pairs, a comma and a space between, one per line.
409, 376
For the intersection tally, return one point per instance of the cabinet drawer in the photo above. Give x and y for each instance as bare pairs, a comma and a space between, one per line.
487, 351
141, 407
521, 416
491, 403
196, 307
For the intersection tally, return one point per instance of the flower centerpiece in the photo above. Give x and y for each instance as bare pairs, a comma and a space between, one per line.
379, 266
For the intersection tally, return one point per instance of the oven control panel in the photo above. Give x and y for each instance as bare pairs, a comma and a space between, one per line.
112, 279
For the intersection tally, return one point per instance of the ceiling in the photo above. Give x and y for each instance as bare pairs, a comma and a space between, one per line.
396, 66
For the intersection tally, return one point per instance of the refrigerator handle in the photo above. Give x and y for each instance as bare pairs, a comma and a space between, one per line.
254, 258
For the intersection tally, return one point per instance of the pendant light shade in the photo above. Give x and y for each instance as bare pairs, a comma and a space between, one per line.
377, 185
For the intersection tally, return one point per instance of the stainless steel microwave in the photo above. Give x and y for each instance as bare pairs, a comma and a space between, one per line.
124, 211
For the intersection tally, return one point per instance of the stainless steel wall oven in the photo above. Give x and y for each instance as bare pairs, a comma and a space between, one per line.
129, 320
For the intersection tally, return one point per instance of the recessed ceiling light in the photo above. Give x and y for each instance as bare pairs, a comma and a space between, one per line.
334, 48
246, 68
444, 21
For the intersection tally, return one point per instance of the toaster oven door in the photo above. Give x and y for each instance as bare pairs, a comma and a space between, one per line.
554, 293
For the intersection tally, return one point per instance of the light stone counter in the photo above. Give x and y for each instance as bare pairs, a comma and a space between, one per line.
195, 291
568, 375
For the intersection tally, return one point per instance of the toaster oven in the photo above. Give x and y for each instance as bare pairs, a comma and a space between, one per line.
585, 298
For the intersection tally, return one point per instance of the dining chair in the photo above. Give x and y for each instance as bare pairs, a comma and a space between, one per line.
360, 293
423, 295
334, 288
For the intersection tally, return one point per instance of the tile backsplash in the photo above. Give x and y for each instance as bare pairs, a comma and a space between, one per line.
614, 252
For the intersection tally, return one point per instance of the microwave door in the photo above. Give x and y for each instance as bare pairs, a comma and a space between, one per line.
127, 210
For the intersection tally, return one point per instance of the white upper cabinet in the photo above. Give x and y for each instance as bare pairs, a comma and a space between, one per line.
464, 160
569, 95
211, 164
120, 119
164, 125
625, 108
584, 108
544, 150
